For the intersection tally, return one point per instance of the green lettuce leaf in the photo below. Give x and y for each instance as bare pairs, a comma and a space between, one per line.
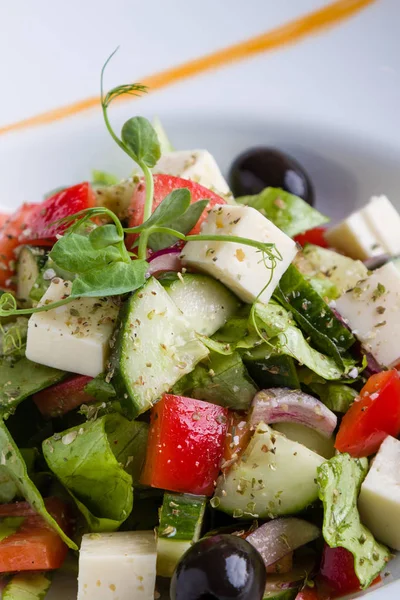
291, 342
339, 480
101, 389
12, 461
22, 379
281, 336
288, 212
336, 396
8, 488
223, 380
98, 462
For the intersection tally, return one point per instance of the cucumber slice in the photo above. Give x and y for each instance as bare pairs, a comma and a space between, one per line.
27, 586
275, 476
48, 270
310, 438
312, 314
204, 301
30, 261
342, 271
155, 347
181, 519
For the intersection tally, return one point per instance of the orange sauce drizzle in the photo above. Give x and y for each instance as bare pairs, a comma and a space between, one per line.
283, 35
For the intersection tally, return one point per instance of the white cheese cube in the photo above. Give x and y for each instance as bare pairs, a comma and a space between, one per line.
372, 310
379, 501
117, 566
240, 267
196, 165
74, 337
371, 231
384, 221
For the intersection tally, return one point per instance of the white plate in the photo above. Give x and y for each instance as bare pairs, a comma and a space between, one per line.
330, 100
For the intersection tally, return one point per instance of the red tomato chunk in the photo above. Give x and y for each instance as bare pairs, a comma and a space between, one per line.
10, 231
372, 417
43, 226
186, 444
61, 398
164, 185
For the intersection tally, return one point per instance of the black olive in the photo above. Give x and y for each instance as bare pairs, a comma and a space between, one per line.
258, 168
221, 567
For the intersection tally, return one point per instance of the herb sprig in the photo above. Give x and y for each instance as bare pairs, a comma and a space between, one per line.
100, 260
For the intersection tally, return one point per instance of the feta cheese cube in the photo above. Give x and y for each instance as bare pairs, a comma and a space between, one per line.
196, 165
372, 310
371, 231
238, 266
379, 501
117, 566
74, 337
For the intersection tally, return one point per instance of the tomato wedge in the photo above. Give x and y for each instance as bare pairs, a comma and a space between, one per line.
35, 546
314, 236
163, 185
59, 399
43, 228
372, 417
186, 441
10, 231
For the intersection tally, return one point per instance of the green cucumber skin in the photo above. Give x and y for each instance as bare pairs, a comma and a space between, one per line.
152, 331
31, 261
274, 477
181, 519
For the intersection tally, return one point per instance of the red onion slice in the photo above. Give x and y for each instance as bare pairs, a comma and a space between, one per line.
167, 261
278, 537
283, 405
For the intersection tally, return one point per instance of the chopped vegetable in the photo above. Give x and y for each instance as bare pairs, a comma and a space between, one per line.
43, 225
372, 417
339, 481
281, 405
185, 448
59, 399
10, 232
34, 546
288, 212
87, 458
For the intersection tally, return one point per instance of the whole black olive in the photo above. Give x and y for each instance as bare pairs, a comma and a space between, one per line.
258, 168
222, 567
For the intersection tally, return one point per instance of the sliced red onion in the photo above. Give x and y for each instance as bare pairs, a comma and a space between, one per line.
283, 405
175, 248
168, 261
278, 537
373, 366
374, 262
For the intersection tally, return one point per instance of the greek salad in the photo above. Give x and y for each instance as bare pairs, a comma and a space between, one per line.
198, 390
